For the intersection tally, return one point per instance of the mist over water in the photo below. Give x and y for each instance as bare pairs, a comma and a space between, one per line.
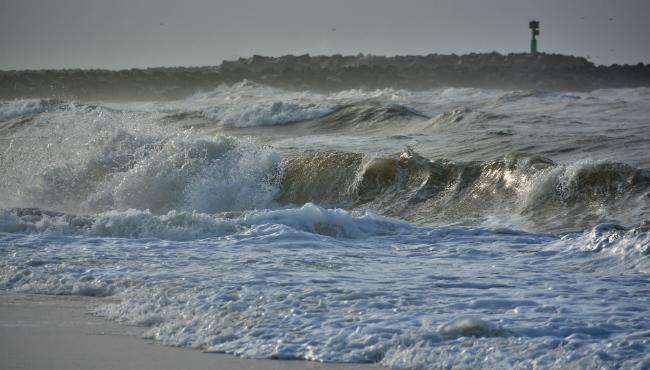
452, 227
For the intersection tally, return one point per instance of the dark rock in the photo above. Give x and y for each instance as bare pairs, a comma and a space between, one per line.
329, 73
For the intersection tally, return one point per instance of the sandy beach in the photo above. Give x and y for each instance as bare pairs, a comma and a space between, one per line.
58, 332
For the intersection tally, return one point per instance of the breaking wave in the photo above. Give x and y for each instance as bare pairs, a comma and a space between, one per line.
88, 159
108, 163
178, 173
530, 190
171, 178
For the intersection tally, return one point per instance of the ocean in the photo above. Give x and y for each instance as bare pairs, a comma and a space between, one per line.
445, 228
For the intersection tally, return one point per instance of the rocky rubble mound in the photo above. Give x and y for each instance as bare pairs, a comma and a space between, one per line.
330, 73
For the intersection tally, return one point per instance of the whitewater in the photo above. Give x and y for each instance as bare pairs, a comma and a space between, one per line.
446, 228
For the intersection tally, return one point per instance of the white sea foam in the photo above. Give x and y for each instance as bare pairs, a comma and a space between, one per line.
469, 327
281, 284
631, 244
10, 109
176, 225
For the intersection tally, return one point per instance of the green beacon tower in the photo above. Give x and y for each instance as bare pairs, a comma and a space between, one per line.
534, 27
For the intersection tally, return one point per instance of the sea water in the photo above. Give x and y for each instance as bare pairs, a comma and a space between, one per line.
449, 228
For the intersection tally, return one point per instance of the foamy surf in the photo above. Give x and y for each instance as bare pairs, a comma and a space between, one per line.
323, 285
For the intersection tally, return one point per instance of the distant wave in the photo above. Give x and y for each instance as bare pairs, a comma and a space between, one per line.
458, 116
367, 115
262, 114
514, 96
248, 104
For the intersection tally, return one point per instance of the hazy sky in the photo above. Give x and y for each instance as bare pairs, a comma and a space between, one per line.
140, 33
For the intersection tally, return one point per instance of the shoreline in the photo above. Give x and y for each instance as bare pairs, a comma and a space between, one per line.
58, 332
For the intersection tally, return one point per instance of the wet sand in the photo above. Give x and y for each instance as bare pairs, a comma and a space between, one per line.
58, 332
